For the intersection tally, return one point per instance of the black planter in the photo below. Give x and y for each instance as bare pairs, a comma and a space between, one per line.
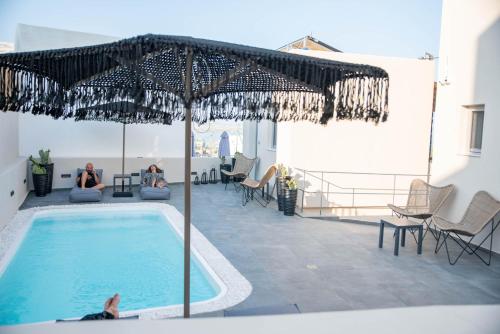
40, 184
223, 177
289, 201
280, 186
50, 172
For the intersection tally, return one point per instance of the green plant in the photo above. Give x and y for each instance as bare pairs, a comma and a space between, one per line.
283, 171
37, 168
44, 157
292, 184
222, 160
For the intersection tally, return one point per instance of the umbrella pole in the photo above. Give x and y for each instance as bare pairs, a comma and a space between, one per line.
187, 212
123, 159
187, 183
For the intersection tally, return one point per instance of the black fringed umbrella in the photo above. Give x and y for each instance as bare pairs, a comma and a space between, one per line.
184, 78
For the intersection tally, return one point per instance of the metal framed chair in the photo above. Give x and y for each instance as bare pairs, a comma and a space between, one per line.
250, 186
242, 168
424, 201
482, 210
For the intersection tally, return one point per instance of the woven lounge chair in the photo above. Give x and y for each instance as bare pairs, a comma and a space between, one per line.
250, 186
424, 201
482, 210
242, 168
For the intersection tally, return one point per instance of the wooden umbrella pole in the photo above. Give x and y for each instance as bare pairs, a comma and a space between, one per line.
123, 159
187, 181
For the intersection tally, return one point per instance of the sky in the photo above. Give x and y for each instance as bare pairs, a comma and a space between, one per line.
398, 28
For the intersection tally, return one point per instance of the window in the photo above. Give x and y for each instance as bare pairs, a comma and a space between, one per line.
476, 133
206, 137
473, 120
274, 134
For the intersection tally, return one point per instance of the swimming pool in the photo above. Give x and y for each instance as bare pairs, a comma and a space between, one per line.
63, 262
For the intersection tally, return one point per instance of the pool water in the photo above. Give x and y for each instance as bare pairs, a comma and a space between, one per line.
68, 264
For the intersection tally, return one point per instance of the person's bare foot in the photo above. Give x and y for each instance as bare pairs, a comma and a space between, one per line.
112, 306
107, 304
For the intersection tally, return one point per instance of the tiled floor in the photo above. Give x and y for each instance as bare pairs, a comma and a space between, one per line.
312, 265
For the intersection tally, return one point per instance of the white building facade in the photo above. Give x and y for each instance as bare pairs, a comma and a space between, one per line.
466, 144
360, 163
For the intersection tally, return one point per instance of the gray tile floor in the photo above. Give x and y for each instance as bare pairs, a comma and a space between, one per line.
319, 265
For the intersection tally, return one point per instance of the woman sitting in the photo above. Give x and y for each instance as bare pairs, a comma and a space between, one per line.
154, 178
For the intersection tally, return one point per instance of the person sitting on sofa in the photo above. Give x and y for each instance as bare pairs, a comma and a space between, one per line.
153, 177
89, 178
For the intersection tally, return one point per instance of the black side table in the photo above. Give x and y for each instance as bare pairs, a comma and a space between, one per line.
122, 192
401, 224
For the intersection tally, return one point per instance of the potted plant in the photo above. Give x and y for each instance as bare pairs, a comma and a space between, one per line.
290, 197
46, 163
281, 180
40, 177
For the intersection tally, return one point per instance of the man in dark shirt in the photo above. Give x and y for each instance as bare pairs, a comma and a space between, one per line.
89, 178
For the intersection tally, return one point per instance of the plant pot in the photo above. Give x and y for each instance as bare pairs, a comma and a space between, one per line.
280, 186
223, 177
50, 172
289, 201
40, 184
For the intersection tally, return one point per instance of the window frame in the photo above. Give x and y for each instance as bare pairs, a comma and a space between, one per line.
473, 116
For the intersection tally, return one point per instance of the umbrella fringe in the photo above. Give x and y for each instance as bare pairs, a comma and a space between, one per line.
320, 94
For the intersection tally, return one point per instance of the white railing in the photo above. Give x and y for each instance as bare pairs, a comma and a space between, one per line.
327, 189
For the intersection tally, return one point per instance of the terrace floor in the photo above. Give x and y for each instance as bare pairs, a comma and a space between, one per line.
306, 265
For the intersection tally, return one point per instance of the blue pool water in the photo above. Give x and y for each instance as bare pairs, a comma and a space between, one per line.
68, 264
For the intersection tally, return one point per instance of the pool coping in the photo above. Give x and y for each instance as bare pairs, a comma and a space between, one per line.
234, 287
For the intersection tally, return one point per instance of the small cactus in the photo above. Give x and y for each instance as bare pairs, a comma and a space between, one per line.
44, 157
36, 168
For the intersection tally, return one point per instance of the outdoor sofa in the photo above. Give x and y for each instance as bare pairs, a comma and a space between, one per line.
153, 193
79, 195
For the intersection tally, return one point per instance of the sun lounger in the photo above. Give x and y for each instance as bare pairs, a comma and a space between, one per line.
242, 168
250, 186
481, 212
79, 195
424, 201
153, 193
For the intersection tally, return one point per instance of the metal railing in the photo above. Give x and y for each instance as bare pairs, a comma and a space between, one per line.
325, 188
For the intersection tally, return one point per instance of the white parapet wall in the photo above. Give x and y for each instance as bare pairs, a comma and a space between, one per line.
399, 145
65, 168
469, 79
13, 183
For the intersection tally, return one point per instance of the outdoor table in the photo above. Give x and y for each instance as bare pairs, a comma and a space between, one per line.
122, 192
401, 224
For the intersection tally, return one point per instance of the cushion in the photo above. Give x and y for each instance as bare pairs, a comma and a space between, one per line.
154, 193
79, 195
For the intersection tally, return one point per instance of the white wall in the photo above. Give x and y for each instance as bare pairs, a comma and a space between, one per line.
399, 145
9, 143
469, 62
13, 189
67, 138
173, 167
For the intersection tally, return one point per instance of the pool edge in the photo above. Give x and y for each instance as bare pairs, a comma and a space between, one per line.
234, 287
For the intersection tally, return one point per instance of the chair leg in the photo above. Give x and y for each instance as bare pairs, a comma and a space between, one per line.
428, 224
437, 243
474, 250
244, 195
